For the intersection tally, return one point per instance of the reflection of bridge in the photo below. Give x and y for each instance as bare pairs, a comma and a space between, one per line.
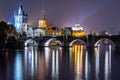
69, 40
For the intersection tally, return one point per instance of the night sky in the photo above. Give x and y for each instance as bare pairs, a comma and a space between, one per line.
93, 15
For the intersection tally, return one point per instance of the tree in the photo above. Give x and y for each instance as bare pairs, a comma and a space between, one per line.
8, 35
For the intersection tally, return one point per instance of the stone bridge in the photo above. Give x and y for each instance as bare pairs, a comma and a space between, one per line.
69, 40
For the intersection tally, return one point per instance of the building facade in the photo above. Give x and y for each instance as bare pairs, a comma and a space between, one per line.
20, 20
77, 31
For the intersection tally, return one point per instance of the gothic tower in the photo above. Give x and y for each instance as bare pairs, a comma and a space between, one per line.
20, 19
42, 21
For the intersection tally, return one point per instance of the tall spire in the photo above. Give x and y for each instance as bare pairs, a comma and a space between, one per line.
20, 10
42, 21
43, 13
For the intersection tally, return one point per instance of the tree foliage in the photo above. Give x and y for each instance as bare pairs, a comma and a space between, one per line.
9, 38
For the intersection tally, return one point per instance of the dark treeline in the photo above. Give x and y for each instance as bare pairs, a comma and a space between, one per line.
9, 38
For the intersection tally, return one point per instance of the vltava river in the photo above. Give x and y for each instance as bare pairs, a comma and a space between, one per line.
56, 63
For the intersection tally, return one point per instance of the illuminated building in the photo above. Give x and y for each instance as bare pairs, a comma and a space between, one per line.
60, 32
57, 31
20, 19
42, 22
29, 32
77, 30
49, 31
53, 31
102, 33
39, 32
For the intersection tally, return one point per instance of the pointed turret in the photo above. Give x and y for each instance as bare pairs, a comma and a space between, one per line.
42, 21
20, 10
42, 13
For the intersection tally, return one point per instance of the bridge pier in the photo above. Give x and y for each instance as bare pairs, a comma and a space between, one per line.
66, 41
91, 40
41, 42
65, 44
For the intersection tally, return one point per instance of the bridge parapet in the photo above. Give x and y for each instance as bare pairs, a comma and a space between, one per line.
89, 40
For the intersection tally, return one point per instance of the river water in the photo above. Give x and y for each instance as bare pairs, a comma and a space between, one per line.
56, 63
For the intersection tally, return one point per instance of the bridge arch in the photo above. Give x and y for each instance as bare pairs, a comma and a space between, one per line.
81, 42
104, 41
52, 41
31, 42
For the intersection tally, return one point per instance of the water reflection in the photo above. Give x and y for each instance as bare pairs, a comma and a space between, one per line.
55, 64
30, 59
78, 53
75, 63
84, 62
107, 67
97, 63
18, 67
103, 62
42, 70
87, 66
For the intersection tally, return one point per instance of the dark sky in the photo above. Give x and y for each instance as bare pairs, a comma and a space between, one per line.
94, 15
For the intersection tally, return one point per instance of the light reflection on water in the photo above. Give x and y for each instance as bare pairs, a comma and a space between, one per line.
18, 67
75, 63
103, 62
78, 56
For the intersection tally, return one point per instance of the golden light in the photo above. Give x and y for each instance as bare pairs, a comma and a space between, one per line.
77, 25
42, 23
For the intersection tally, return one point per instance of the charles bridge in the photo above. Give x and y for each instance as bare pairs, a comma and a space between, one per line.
90, 40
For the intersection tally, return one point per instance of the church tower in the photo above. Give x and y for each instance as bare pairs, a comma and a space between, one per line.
20, 19
42, 22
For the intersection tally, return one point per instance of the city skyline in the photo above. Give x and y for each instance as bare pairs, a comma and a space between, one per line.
92, 15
